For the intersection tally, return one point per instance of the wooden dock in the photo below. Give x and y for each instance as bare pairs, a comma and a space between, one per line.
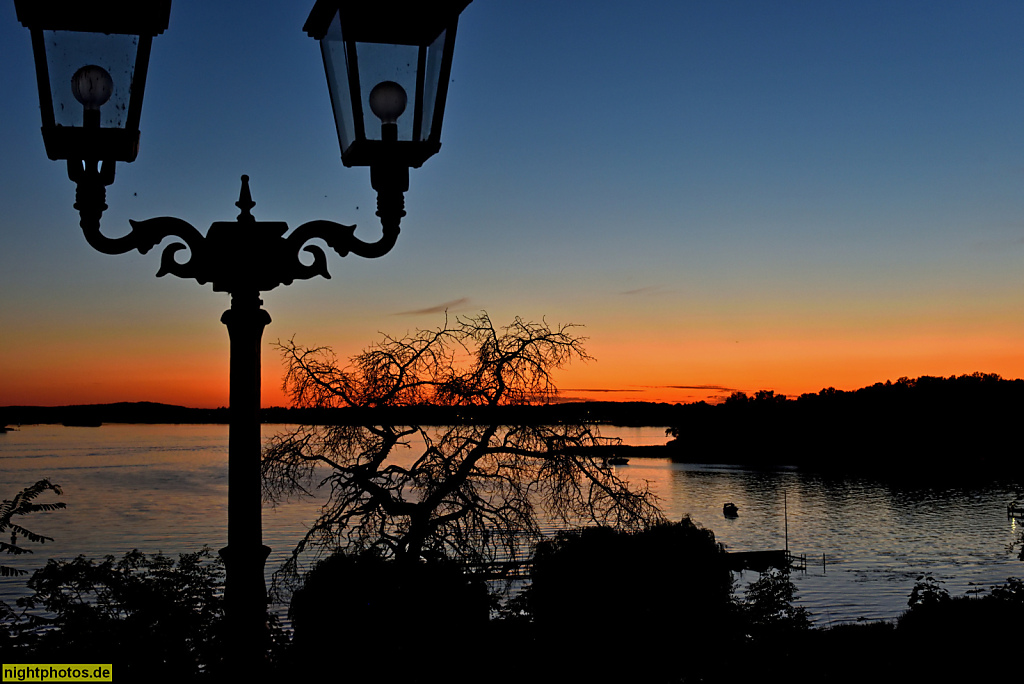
1015, 510
761, 561
622, 450
500, 570
758, 561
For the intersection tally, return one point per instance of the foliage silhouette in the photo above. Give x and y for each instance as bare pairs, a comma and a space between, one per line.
356, 600
936, 626
141, 612
668, 586
768, 605
928, 593
23, 504
939, 638
476, 491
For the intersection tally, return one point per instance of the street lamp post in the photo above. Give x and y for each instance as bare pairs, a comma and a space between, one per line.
390, 62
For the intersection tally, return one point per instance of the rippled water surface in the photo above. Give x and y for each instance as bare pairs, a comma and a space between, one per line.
164, 488
875, 538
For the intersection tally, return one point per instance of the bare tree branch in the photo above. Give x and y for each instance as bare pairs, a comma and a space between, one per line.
472, 492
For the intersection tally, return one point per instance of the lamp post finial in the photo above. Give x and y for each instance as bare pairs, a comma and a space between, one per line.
245, 202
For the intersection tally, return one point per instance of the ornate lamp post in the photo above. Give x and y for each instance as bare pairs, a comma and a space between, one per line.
389, 62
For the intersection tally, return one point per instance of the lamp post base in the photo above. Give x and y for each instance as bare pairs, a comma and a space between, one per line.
247, 631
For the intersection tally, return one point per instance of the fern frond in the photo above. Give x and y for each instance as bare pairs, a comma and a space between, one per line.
28, 534
31, 508
22, 502
13, 549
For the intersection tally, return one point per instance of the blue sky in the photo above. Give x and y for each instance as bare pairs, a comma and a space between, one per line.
741, 195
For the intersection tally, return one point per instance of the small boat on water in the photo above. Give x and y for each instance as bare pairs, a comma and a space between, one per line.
730, 510
614, 460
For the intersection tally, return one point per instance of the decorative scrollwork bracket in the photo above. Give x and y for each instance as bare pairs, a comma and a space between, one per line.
240, 256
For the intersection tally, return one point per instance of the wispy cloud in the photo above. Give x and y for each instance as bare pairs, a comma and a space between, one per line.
717, 388
593, 389
650, 289
440, 308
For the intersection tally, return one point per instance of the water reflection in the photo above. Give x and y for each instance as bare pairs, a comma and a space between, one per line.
875, 538
163, 488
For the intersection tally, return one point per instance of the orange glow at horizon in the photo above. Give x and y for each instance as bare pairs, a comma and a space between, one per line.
667, 370
682, 373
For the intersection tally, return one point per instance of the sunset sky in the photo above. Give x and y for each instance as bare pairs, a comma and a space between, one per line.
728, 195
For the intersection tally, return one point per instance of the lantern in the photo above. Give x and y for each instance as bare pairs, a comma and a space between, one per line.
91, 60
388, 65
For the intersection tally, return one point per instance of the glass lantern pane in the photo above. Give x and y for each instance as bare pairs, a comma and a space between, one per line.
379, 62
430, 82
68, 51
332, 46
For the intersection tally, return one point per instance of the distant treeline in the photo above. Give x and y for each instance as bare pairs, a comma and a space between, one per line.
629, 413
939, 426
910, 424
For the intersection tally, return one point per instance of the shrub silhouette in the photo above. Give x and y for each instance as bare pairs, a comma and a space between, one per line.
146, 613
969, 626
768, 605
666, 586
372, 607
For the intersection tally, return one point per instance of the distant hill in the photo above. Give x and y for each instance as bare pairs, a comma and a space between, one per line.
631, 413
120, 412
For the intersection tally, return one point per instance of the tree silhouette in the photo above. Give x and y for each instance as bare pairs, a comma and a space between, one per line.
471, 492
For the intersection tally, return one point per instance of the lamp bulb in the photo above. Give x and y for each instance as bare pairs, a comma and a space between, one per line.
387, 101
92, 86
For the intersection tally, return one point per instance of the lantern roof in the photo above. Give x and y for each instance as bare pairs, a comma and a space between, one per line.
400, 22
100, 16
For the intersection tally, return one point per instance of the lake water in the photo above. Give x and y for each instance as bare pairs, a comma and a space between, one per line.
164, 488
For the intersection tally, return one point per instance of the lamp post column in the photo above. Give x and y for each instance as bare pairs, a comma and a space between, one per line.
245, 591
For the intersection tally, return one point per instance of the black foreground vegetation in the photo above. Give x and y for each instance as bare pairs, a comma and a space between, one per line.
143, 614
661, 607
